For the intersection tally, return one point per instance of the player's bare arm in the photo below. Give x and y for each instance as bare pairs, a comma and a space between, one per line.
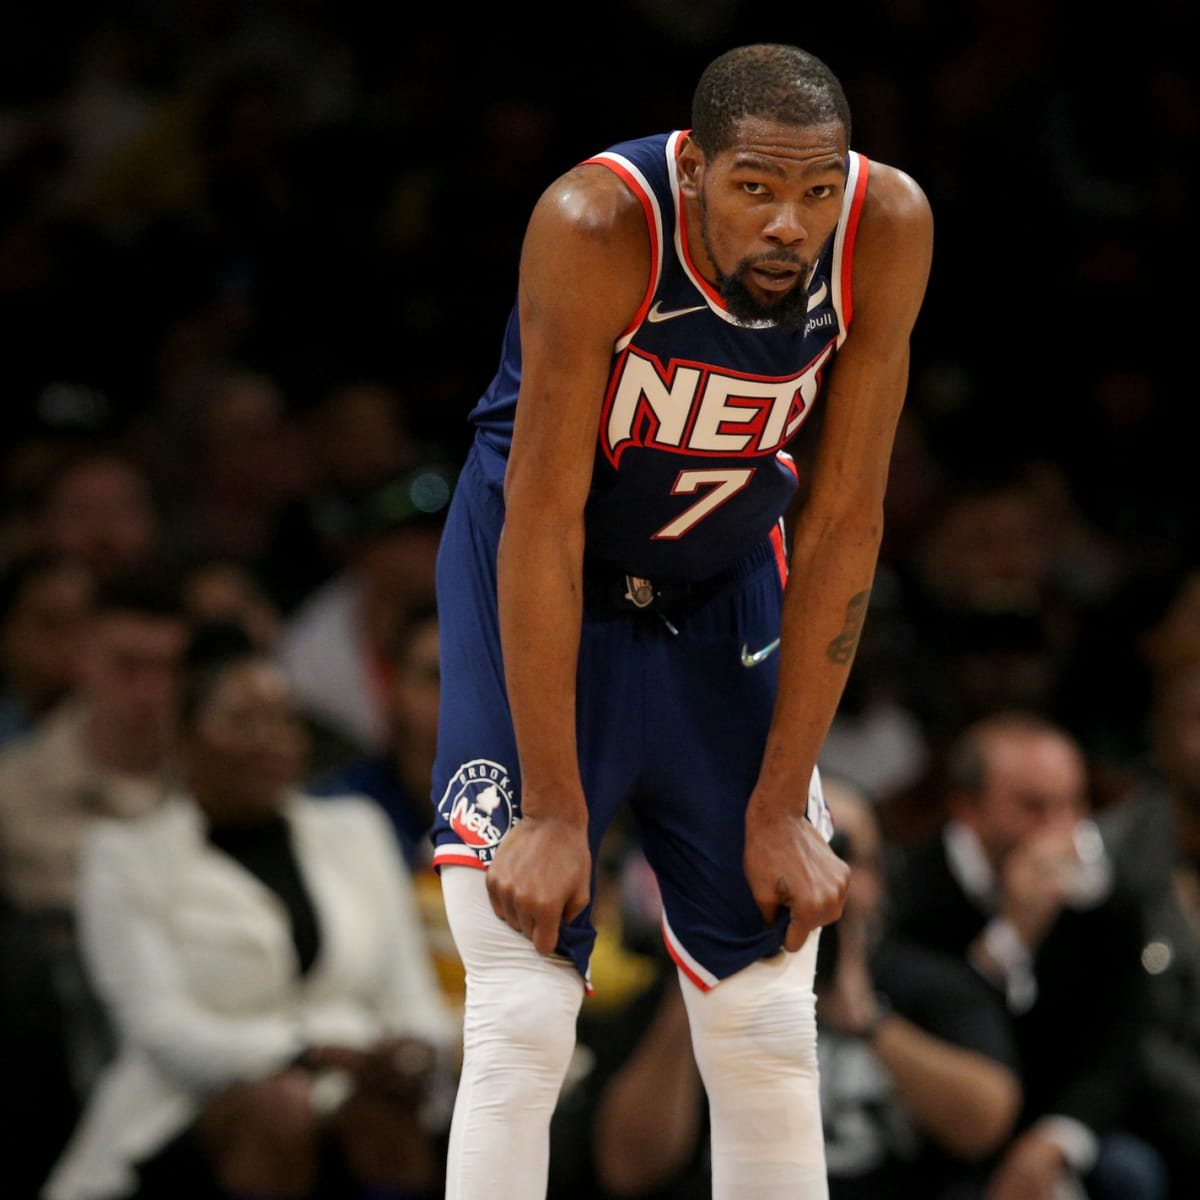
584, 267
835, 549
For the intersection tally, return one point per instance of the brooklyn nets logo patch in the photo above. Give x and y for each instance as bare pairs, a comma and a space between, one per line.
478, 805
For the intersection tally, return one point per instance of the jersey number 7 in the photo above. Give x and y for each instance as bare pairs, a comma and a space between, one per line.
724, 483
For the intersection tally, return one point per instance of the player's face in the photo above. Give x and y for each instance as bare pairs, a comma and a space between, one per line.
766, 208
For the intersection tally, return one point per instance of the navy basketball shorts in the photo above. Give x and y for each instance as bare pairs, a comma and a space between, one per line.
671, 724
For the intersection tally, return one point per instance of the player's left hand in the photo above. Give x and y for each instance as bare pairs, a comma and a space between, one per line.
788, 864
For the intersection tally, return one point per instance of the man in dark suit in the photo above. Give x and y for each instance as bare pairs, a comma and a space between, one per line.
1154, 838
1017, 880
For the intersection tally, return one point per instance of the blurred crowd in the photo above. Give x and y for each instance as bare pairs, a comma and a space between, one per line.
255, 260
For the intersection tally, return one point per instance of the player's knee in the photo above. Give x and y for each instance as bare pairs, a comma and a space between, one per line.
774, 1038
754, 1029
756, 1044
530, 1021
520, 1033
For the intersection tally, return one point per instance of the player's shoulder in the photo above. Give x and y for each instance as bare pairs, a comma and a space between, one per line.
589, 199
894, 198
893, 247
606, 193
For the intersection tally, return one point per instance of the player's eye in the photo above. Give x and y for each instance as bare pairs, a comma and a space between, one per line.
754, 189
822, 191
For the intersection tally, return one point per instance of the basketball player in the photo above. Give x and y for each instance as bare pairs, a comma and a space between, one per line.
616, 629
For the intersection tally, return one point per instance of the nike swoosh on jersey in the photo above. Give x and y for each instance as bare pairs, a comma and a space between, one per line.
656, 313
817, 298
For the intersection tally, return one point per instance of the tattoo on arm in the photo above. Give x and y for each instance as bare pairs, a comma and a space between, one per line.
841, 649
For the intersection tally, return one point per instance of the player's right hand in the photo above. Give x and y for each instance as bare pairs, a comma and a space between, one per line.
541, 877
789, 865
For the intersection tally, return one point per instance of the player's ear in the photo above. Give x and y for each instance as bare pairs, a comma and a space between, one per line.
689, 165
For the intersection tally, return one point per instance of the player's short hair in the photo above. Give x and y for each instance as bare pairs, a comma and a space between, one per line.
775, 81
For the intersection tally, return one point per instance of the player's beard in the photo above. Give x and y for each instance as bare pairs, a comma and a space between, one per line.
786, 311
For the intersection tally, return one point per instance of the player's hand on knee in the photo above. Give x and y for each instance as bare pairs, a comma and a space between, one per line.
789, 865
540, 877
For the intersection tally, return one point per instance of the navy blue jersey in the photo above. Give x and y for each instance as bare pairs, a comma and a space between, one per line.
691, 464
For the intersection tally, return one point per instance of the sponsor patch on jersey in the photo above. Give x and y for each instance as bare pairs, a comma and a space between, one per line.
478, 805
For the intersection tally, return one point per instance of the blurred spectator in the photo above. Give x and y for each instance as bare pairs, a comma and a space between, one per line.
280, 1029
67, 421
356, 439
1089, 561
876, 740
102, 509
1173, 641
916, 481
988, 607
399, 779
1154, 837
337, 646
1017, 882
44, 603
242, 461
103, 751
920, 1080
1149, 629
217, 587
108, 102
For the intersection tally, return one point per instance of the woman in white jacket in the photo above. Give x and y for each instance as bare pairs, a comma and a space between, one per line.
262, 958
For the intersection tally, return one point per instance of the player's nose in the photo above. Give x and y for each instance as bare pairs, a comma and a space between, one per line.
786, 226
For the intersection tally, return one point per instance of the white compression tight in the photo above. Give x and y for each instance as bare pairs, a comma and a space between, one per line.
754, 1036
518, 1038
